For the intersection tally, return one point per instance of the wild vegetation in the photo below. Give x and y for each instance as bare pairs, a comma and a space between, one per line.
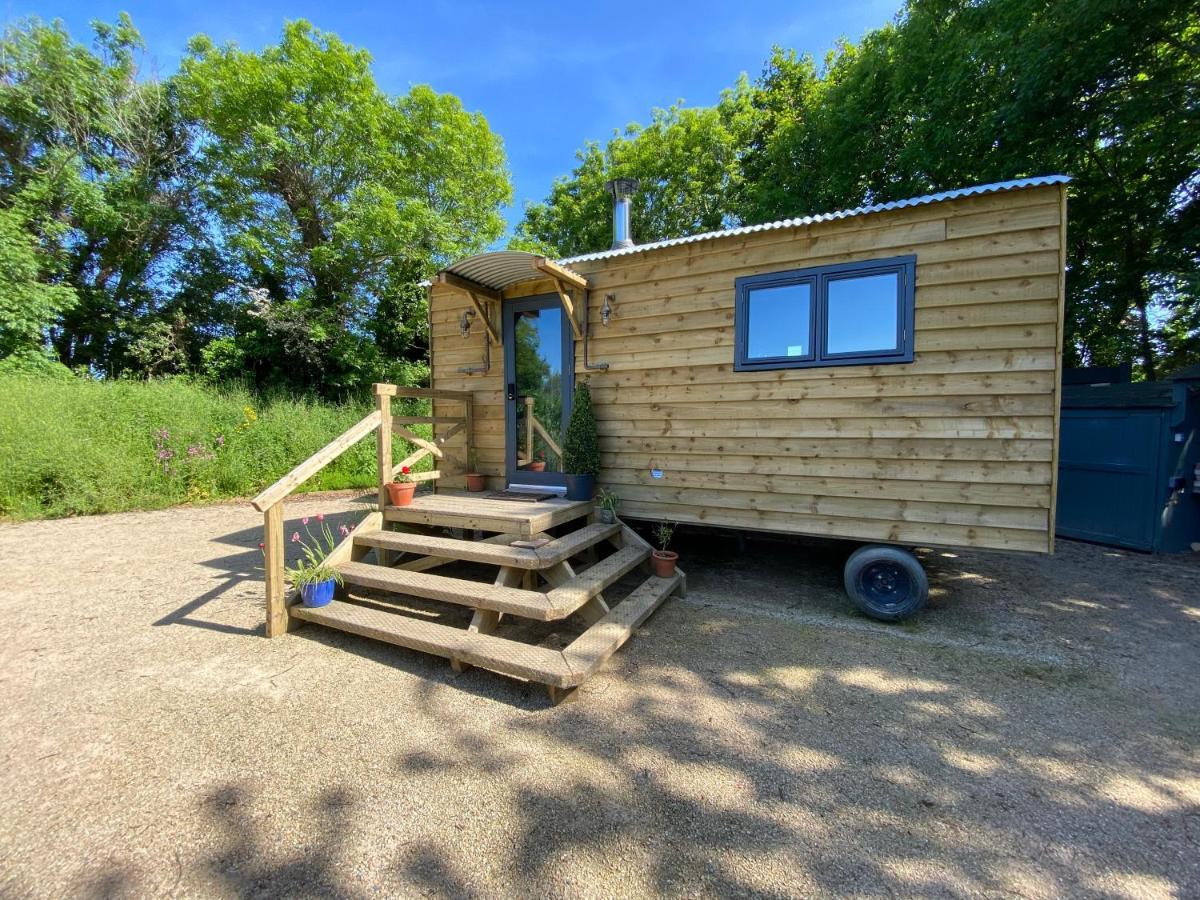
952, 93
266, 216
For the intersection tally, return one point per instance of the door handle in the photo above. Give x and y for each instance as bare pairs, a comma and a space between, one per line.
512, 391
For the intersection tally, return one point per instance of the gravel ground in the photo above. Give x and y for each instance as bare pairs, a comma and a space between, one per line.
1033, 733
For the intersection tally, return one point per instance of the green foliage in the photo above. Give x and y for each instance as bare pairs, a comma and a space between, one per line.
27, 306
333, 200
311, 568
608, 500
686, 161
953, 93
77, 446
95, 168
663, 533
581, 447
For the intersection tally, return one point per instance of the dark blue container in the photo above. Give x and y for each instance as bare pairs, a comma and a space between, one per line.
580, 487
318, 594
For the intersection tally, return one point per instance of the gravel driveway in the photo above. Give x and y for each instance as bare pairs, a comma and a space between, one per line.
1033, 733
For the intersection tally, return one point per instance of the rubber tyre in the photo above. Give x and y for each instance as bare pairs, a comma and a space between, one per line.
886, 583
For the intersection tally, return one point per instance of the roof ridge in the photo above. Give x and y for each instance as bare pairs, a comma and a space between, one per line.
974, 190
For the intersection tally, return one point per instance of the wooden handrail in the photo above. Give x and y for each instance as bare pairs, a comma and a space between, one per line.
270, 501
316, 462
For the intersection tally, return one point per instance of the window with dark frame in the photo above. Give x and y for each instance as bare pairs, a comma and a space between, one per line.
850, 314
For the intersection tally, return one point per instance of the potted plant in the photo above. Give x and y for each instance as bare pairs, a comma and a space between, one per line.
581, 447
312, 576
476, 480
663, 560
609, 503
400, 491
538, 464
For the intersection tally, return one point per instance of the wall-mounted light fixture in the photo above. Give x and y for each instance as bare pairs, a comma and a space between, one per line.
606, 311
464, 323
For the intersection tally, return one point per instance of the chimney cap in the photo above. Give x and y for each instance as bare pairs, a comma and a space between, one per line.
622, 188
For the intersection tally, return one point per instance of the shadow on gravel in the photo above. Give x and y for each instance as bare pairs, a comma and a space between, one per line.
245, 565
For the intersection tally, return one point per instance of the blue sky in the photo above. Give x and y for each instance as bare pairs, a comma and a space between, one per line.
548, 76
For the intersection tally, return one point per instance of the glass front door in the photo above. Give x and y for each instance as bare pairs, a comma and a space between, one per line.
538, 368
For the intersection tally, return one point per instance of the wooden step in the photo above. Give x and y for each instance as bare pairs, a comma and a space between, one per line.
486, 651
590, 650
518, 602
568, 597
525, 518
543, 557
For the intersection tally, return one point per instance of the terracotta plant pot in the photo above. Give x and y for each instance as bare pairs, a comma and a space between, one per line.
476, 482
663, 562
400, 493
539, 466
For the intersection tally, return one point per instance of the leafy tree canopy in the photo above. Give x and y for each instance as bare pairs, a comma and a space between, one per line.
952, 93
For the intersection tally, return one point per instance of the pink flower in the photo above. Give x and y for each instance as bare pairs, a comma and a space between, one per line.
304, 521
295, 537
320, 517
344, 531
262, 546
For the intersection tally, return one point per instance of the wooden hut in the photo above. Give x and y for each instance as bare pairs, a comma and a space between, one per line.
888, 374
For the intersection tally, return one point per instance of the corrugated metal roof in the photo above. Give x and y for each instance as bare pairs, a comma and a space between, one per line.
499, 269
825, 217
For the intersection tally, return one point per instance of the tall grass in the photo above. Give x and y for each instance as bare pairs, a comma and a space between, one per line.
75, 446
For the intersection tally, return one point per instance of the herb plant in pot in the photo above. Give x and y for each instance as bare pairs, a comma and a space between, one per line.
662, 560
400, 492
312, 575
581, 448
476, 480
609, 503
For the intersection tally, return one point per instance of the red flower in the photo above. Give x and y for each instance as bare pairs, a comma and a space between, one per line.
405, 470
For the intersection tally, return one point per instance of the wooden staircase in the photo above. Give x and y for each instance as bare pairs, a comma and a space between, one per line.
539, 577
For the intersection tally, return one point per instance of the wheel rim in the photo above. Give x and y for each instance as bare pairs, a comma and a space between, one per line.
885, 584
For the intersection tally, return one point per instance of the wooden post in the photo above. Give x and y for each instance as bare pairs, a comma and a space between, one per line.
529, 429
383, 458
277, 616
384, 445
469, 441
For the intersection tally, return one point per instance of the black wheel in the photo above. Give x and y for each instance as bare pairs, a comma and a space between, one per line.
886, 583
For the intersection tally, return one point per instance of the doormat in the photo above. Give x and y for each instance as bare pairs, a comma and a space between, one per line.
527, 496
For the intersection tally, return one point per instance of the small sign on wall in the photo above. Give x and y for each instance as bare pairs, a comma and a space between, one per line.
656, 473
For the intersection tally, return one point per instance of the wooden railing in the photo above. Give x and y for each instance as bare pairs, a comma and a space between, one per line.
383, 423
531, 425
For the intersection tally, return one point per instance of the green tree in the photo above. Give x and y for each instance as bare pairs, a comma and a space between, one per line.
958, 92
686, 160
332, 200
94, 166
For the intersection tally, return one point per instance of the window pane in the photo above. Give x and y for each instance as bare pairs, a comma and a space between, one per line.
779, 321
862, 314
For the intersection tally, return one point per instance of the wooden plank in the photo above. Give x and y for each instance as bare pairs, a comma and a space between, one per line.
481, 309
316, 462
947, 406
567, 598
568, 309
527, 604
886, 531
918, 447
965, 427
417, 393
560, 273
466, 285
451, 548
413, 438
590, 650
273, 568
1062, 315
514, 517
383, 439
426, 563
486, 651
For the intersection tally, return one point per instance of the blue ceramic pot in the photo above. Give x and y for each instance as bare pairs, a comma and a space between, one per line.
580, 487
318, 594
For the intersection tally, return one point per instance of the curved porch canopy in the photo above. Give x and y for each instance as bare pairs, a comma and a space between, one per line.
486, 276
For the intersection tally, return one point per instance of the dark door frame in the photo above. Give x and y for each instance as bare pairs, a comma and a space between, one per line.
509, 311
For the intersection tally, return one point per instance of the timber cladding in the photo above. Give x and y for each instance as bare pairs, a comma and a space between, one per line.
957, 448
